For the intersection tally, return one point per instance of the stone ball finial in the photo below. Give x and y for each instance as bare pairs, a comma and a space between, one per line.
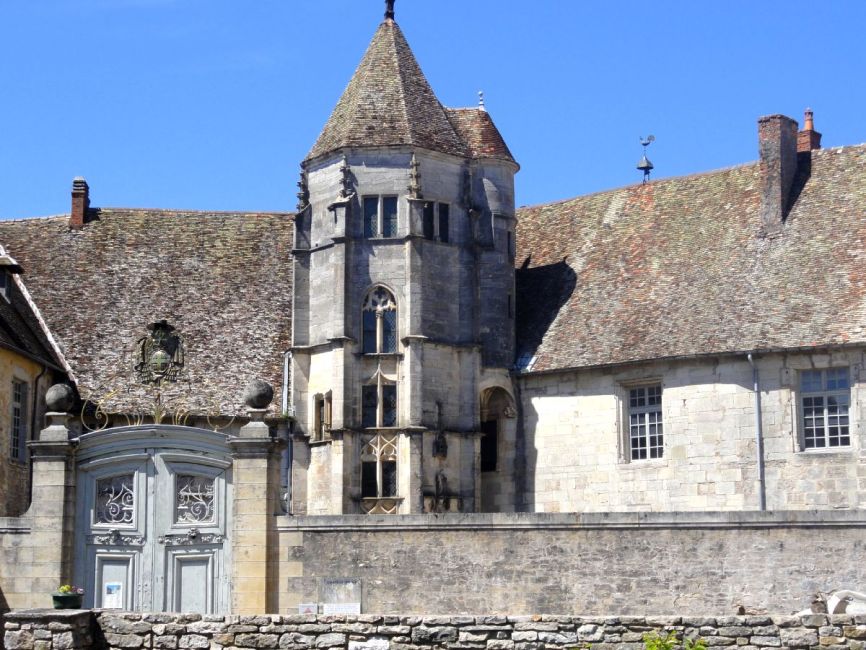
60, 398
258, 394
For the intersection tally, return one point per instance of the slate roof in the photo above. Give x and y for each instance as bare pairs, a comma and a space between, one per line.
388, 102
679, 267
476, 128
222, 279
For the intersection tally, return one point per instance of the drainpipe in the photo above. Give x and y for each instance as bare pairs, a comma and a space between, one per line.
759, 433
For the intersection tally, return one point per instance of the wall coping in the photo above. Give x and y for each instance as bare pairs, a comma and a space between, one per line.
577, 521
12, 525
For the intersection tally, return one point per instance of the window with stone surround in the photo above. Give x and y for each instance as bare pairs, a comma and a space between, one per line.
379, 404
437, 221
379, 317
322, 416
645, 426
18, 442
379, 466
825, 397
380, 216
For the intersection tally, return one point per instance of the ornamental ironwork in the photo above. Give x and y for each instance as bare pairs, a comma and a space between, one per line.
192, 536
115, 500
194, 502
115, 538
160, 355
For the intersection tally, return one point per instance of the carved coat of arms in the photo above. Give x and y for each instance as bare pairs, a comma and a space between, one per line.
160, 354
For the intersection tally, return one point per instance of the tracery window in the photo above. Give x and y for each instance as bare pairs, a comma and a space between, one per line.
379, 316
379, 466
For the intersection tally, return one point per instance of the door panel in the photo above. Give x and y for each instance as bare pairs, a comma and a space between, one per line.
152, 530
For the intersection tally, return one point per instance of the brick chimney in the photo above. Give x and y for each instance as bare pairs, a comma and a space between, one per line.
808, 139
80, 203
777, 142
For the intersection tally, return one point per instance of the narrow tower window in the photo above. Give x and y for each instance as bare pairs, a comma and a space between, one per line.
380, 216
379, 319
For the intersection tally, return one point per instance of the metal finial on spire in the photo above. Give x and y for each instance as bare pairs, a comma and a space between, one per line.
644, 163
389, 9
481, 100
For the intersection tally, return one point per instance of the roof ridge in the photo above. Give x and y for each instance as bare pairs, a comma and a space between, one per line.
194, 211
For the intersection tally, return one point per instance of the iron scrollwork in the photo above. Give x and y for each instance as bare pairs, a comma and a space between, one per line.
192, 536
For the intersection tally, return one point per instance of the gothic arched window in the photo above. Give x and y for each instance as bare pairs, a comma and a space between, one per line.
380, 322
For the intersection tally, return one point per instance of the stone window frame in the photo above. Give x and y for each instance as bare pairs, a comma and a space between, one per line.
322, 411
378, 385
380, 452
802, 395
433, 221
378, 232
19, 418
384, 344
625, 411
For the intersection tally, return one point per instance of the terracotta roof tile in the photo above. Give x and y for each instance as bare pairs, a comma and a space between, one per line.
223, 280
678, 267
476, 128
388, 102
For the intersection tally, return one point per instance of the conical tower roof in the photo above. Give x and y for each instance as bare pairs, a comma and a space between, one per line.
388, 102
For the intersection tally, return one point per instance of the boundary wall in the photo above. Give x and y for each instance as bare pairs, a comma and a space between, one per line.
49, 630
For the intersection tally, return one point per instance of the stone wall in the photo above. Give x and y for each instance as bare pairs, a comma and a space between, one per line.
577, 455
678, 563
16, 557
46, 631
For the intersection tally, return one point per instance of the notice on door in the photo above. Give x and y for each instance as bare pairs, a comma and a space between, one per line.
112, 595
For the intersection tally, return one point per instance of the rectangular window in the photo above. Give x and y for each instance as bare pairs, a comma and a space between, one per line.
825, 398
389, 216
389, 478
429, 221
369, 480
444, 225
645, 428
389, 331
389, 405
369, 338
371, 216
19, 420
380, 216
369, 406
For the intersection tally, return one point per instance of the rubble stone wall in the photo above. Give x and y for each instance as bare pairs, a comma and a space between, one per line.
45, 630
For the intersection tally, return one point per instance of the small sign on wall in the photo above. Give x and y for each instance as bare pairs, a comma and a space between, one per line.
112, 595
308, 608
375, 643
340, 596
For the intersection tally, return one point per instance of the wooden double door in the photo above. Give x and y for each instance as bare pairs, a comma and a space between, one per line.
152, 521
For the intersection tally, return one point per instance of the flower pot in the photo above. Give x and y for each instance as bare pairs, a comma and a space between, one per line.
66, 601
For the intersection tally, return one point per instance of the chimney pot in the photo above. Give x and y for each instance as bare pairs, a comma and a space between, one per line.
808, 139
80, 203
777, 140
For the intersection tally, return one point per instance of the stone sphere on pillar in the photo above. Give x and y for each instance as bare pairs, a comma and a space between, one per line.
259, 394
60, 398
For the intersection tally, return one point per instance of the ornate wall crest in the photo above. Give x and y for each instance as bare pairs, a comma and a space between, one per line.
160, 355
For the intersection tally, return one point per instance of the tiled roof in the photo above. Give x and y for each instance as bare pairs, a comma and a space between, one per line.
477, 130
679, 267
388, 102
222, 280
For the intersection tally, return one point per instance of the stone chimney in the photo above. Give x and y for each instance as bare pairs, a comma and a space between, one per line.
808, 139
80, 203
777, 141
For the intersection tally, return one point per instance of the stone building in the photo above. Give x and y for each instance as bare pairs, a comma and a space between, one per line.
416, 346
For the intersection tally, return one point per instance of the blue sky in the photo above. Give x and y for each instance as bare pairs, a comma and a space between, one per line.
211, 104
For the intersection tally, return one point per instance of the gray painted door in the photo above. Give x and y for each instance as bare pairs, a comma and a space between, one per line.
152, 524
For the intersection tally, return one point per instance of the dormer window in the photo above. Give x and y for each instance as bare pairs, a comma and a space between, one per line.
4, 283
379, 316
380, 216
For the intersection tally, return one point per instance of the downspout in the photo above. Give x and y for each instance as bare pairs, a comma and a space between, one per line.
288, 378
759, 433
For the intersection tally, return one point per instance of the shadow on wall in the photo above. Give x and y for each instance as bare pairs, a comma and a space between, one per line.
541, 292
4, 607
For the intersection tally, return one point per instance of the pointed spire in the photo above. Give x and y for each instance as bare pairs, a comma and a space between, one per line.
388, 102
389, 9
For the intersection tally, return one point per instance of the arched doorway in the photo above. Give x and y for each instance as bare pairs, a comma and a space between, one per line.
497, 450
153, 510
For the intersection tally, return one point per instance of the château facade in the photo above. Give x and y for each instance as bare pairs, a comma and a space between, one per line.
258, 402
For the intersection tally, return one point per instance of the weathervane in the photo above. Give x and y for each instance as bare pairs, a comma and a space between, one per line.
644, 164
389, 9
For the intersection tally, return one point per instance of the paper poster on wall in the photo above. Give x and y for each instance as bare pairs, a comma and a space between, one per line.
112, 595
308, 608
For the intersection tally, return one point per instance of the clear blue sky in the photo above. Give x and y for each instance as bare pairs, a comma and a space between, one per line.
211, 104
